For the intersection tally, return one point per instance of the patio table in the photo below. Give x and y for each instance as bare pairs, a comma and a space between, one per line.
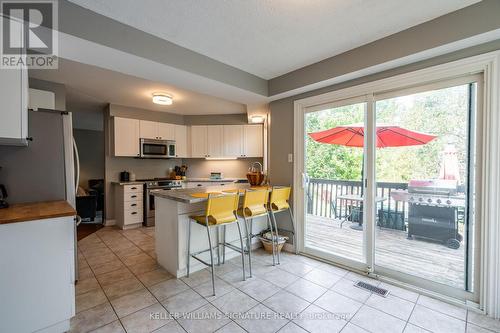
358, 199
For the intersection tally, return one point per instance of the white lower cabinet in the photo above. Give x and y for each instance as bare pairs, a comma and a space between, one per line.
129, 205
37, 279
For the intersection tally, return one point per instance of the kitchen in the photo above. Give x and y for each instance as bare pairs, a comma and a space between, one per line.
233, 141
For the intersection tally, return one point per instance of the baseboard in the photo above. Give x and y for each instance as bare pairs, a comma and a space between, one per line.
109, 223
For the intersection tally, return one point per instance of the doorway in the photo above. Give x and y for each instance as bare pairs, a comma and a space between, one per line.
390, 184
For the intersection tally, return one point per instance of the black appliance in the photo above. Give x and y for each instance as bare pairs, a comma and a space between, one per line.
124, 176
433, 211
3, 196
435, 223
151, 186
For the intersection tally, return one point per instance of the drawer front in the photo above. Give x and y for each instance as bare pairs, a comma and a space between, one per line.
132, 196
133, 188
133, 205
132, 216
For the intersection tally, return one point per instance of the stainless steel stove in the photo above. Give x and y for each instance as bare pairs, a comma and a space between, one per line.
151, 186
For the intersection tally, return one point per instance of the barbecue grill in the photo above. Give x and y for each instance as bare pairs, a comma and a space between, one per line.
433, 210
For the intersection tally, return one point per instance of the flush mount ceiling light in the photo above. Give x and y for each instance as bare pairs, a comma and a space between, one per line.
162, 99
257, 119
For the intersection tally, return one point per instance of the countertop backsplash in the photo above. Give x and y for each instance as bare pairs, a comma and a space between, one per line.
201, 168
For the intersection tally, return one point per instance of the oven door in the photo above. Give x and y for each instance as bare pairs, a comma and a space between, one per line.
154, 148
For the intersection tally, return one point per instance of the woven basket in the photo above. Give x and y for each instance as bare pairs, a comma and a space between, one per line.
268, 246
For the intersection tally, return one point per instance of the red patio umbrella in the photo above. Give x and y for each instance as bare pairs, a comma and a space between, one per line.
387, 136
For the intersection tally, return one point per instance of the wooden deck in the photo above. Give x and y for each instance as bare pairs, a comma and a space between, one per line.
417, 257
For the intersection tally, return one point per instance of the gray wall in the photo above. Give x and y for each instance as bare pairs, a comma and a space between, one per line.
115, 110
464, 23
226, 119
58, 89
91, 152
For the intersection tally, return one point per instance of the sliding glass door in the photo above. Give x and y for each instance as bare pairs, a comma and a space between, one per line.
425, 225
334, 148
389, 184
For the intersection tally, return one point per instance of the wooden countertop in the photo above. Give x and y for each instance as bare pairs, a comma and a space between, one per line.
35, 211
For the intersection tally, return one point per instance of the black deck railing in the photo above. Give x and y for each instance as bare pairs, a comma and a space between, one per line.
323, 197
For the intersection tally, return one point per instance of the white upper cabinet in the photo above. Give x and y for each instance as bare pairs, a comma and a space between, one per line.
126, 136
199, 141
227, 141
215, 135
180, 136
148, 129
14, 106
233, 140
253, 141
166, 131
156, 130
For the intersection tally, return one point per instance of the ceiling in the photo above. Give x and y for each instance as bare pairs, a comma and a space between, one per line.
271, 38
90, 88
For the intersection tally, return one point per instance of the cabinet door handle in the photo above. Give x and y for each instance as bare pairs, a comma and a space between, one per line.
199, 185
134, 213
133, 188
133, 205
133, 196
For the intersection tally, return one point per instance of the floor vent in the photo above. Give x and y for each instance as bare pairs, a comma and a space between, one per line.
371, 288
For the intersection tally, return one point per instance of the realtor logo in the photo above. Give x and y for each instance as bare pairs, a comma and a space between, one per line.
29, 34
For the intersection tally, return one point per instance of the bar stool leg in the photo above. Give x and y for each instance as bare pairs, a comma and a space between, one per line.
218, 243
294, 233
277, 239
272, 237
188, 247
242, 251
211, 258
224, 244
249, 244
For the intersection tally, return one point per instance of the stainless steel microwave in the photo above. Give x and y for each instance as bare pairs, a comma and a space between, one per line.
154, 148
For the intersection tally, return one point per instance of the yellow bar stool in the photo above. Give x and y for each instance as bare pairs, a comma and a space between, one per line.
254, 205
279, 202
220, 211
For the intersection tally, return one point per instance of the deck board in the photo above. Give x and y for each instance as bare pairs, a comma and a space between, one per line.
425, 259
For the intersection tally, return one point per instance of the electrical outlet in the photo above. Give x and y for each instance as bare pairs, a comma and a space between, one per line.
290, 158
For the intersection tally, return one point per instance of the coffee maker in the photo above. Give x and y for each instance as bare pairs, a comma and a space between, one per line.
3, 196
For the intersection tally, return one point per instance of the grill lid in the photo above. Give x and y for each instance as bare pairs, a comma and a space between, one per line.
433, 186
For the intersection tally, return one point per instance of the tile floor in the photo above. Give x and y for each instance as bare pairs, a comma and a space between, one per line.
122, 289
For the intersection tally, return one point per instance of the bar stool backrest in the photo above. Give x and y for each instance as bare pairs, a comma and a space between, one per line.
279, 198
254, 202
222, 208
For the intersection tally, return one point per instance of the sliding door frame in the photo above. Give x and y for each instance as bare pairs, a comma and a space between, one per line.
486, 293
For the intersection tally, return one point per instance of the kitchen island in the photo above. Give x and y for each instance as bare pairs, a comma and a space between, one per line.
173, 208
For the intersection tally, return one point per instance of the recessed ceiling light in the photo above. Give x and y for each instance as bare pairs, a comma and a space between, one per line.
162, 99
257, 119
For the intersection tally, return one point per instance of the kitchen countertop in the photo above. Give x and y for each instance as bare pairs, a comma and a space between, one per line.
184, 195
223, 180
128, 183
35, 211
